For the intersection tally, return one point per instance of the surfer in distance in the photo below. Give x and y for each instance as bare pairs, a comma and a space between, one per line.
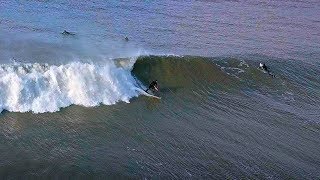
153, 86
67, 33
263, 67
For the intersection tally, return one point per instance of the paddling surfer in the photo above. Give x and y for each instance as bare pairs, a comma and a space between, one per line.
67, 33
153, 86
266, 69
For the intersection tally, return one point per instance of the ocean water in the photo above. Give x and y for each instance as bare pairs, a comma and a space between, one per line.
71, 107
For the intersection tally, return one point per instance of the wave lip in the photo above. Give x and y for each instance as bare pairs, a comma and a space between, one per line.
47, 88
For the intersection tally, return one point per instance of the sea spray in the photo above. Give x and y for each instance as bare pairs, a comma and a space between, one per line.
47, 88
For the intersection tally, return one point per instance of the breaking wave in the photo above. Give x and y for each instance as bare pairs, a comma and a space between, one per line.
47, 88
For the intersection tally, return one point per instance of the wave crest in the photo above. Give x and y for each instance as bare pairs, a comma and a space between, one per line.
47, 88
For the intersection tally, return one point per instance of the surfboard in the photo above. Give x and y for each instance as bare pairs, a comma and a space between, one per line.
152, 96
266, 72
147, 94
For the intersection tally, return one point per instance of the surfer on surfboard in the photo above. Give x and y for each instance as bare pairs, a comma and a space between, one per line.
266, 69
153, 86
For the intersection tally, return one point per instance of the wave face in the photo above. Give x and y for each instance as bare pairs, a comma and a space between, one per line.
180, 72
228, 72
47, 88
295, 84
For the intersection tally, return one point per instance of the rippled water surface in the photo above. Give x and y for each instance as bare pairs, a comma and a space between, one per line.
71, 108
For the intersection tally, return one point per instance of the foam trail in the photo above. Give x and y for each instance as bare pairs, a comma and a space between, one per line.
46, 88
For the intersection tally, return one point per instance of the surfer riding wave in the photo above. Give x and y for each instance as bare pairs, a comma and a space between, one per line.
153, 86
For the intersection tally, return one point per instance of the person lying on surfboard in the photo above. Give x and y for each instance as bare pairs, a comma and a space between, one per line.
67, 33
266, 69
153, 86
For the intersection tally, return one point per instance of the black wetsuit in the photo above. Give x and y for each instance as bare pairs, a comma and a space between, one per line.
67, 33
264, 67
153, 85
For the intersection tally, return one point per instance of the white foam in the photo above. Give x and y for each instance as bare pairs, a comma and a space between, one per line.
47, 88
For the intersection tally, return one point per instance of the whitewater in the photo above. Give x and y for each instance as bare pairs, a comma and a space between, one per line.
47, 88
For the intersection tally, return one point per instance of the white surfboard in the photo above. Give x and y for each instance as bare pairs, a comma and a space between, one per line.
146, 94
